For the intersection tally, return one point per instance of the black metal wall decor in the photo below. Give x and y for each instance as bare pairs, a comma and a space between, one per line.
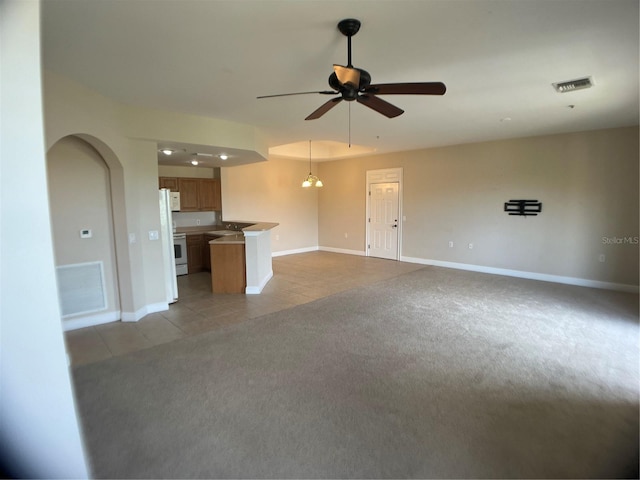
526, 208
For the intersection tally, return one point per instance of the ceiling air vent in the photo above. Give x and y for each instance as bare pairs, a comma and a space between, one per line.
571, 85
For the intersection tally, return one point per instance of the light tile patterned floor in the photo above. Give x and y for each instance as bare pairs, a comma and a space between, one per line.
297, 279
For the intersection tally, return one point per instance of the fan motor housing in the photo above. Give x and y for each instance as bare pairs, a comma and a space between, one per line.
365, 79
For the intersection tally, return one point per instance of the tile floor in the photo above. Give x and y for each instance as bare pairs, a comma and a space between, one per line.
297, 279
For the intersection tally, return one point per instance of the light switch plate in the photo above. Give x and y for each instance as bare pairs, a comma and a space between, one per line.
153, 235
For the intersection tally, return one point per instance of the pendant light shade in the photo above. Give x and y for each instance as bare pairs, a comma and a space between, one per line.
311, 180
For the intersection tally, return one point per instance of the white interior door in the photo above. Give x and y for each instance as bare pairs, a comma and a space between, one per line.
383, 220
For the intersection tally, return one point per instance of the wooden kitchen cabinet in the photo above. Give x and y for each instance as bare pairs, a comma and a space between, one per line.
195, 243
170, 183
197, 194
206, 252
209, 194
189, 198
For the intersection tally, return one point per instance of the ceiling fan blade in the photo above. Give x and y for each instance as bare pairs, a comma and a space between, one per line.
323, 92
380, 106
324, 108
347, 75
420, 88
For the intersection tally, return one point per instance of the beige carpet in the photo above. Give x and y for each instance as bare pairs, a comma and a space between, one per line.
433, 374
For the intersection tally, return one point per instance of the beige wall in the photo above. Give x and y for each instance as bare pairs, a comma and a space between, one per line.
127, 138
72, 110
271, 191
587, 183
188, 172
80, 198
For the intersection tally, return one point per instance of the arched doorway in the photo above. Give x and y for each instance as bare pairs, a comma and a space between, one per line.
84, 216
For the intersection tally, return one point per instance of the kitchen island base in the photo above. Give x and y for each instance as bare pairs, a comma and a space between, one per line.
228, 268
246, 266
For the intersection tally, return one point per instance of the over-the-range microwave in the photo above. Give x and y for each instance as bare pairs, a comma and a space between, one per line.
174, 200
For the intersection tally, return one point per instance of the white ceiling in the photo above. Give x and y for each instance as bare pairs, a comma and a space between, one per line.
498, 59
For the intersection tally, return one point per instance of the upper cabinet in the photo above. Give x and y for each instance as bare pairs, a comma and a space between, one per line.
196, 194
189, 198
170, 183
209, 194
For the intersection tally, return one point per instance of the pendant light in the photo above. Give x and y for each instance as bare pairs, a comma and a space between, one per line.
311, 180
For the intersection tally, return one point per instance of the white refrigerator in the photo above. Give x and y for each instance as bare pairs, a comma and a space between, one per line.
168, 253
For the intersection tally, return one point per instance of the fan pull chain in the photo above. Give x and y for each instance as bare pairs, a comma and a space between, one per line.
349, 124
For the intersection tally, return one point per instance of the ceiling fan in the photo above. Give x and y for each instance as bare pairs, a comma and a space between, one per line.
353, 83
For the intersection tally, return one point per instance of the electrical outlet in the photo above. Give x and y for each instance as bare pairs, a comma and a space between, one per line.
153, 235
197, 221
471, 246
277, 237
601, 257
450, 243
346, 235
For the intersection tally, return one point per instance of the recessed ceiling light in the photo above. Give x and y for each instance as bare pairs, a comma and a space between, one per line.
194, 162
223, 156
167, 151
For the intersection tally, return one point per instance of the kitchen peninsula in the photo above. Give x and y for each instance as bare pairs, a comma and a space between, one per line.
241, 262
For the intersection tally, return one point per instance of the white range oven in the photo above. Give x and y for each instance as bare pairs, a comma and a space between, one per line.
180, 250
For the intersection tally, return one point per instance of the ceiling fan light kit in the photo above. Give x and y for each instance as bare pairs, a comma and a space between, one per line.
352, 83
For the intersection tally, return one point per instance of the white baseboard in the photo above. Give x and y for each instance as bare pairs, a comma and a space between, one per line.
360, 253
582, 282
69, 324
108, 317
258, 289
291, 252
144, 311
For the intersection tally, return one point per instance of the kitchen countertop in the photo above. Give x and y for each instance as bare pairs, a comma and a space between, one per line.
260, 227
253, 227
199, 229
256, 228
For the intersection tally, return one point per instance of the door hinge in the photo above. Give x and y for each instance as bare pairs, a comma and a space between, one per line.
369, 220
369, 192
369, 247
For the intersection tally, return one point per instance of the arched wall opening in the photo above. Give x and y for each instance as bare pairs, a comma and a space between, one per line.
88, 217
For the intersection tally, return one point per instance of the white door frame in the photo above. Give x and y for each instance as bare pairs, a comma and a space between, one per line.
385, 175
